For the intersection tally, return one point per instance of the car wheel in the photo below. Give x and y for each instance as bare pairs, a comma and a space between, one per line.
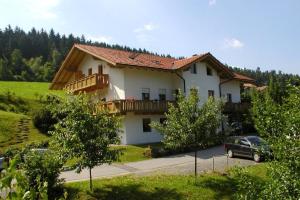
230, 153
256, 157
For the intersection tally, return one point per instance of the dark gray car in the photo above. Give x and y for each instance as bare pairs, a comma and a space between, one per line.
247, 146
2, 160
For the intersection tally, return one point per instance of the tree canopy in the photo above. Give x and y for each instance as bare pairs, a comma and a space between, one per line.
86, 133
36, 55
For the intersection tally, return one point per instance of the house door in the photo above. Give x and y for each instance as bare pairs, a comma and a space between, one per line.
100, 69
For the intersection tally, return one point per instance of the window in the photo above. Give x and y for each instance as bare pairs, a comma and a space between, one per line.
146, 125
229, 97
244, 142
162, 94
162, 120
145, 93
100, 69
209, 71
175, 94
193, 69
211, 93
90, 72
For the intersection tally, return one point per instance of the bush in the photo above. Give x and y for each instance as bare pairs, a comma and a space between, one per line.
43, 120
43, 168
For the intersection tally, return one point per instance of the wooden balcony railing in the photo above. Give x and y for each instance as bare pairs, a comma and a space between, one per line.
88, 83
137, 106
236, 107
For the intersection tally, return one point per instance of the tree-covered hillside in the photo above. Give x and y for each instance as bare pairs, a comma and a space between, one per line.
264, 77
36, 55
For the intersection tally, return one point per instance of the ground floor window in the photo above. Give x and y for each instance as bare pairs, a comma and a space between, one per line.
162, 120
229, 97
211, 93
146, 125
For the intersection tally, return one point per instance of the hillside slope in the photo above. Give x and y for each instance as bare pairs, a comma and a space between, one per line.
18, 100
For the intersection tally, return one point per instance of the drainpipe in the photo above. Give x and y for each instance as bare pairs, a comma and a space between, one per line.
184, 89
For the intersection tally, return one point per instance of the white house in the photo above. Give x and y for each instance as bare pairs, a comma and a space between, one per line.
139, 86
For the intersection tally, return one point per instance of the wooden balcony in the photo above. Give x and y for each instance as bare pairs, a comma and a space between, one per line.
137, 106
88, 83
236, 107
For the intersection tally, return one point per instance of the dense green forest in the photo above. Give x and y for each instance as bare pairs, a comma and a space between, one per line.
36, 55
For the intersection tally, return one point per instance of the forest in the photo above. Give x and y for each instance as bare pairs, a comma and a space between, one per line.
36, 55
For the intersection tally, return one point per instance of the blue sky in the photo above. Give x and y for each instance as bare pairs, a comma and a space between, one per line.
247, 34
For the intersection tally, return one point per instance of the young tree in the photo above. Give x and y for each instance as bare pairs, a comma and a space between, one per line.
86, 133
279, 124
189, 123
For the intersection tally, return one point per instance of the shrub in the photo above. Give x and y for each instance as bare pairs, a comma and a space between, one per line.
43, 120
43, 168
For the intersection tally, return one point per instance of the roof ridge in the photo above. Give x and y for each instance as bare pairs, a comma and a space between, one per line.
123, 50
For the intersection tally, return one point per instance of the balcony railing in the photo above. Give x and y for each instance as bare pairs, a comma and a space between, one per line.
236, 107
137, 106
88, 83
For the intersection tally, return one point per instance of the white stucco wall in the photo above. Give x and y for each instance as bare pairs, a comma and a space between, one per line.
136, 79
134, 129
232, 87
115, 89
128, 82
202, 81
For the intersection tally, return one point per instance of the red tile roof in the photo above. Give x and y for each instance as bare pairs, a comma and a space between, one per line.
185, 61
122, 57
242, 77
129, 58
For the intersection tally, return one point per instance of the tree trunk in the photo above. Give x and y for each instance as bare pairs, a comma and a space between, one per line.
196, 142
195, 162
91, 181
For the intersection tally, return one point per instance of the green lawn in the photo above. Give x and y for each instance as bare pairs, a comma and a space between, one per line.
28, 90
160, 187
17, 101
130, 153
10, 134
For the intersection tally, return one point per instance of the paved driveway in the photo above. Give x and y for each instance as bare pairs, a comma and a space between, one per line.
208, 160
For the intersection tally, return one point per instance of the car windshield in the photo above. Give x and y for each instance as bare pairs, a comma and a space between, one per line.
257, 141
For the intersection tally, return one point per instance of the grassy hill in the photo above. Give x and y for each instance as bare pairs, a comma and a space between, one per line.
17, 130
17, 101
28, 90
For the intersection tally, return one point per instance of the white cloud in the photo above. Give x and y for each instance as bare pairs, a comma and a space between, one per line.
42, 9
143, 34
146, 27
233, 43
212, 2
100, 38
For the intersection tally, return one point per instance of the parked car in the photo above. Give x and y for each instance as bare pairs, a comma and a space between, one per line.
247, 146
2, 160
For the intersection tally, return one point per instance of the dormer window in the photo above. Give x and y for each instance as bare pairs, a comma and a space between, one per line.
209, 71
193, 69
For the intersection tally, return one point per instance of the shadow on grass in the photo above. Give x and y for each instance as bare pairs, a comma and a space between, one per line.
223, 188
125, 192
